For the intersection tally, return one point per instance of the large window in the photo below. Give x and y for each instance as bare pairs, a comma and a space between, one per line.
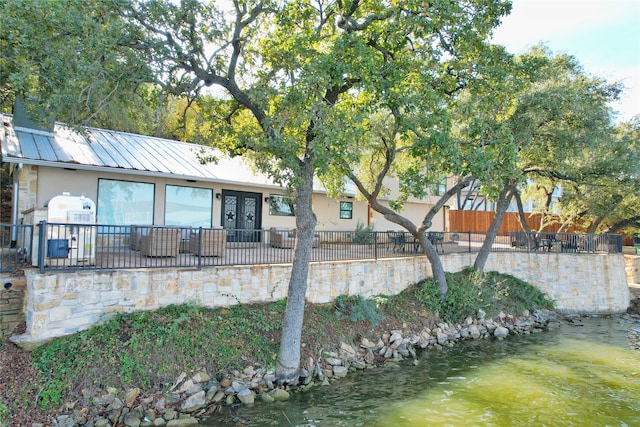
188, 206
281, 205
346, 210
125, 202
439, 188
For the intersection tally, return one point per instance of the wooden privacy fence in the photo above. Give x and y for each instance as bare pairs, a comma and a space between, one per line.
479, 221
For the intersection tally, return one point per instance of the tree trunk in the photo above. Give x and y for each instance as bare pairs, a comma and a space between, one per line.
547, 209
523, 220
288, 363
436, 265
593, 227
633, 222
501, 207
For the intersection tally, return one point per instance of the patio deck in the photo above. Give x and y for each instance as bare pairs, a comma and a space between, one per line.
94, 247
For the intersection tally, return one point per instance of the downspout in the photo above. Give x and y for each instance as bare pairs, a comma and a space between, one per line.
14, 207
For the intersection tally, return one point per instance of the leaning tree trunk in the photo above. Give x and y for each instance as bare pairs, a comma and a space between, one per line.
288, 363
633, 222
523, 220
437, 269
501, 208
593, 227
571, 220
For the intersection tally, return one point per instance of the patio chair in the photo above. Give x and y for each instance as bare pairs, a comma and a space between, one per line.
520, 239
436, 238
208, 242
282, 238
161, 242
185, 236
286, 239
543, 241
137, 231
569, 243
398, 240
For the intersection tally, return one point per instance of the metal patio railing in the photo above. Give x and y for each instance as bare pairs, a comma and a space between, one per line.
56, 246
15, 246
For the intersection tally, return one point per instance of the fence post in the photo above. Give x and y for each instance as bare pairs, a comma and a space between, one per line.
199, 248
375, 245
42, 244
469, 240
29, 229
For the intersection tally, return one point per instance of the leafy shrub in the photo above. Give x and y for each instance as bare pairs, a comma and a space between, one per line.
356, 308
5, 414
364, 235
468, 293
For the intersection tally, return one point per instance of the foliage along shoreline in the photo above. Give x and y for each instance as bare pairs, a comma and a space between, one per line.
195, 397
132, 369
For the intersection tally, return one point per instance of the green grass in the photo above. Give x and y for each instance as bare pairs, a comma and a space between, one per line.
150, 349
5, 415
468, 293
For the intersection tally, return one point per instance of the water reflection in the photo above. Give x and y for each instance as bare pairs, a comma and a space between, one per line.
582, 374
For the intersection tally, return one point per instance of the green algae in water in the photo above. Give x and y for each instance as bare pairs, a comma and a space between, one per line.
578, 375
576, 383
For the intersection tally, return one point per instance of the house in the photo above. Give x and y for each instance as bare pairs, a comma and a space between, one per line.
471, 199
136, 179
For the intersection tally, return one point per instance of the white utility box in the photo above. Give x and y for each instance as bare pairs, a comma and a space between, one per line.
71, 231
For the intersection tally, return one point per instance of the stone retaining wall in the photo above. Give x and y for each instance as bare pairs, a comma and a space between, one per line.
11, 302
60, 303
580, 284
632, 265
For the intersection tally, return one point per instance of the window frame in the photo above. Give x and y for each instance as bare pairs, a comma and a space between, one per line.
344, 210
439, 188
281, 199
99, 204
188, 187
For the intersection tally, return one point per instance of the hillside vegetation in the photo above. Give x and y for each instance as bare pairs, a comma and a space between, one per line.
149, 350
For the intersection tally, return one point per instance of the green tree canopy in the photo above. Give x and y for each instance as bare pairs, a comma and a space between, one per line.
564, 129
303, 79
65, 58
607, 197
549, 119
300, 81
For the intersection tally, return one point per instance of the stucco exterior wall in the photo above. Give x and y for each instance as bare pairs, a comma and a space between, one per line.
53, 181
38, 184
415, 212
58, 304
327, 212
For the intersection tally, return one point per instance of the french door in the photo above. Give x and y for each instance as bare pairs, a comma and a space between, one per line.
241, 213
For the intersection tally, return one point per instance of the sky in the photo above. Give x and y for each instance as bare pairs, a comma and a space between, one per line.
603, 35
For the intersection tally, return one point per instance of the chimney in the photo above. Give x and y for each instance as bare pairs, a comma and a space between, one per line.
21, 118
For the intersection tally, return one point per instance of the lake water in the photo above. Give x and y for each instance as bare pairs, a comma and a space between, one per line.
582, 374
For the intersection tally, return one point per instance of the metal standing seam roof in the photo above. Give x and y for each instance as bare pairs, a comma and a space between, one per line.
121, 152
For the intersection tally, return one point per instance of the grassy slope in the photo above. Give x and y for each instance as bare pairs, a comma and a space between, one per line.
150, 349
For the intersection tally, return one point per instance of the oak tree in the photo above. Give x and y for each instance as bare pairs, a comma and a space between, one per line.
302, 79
